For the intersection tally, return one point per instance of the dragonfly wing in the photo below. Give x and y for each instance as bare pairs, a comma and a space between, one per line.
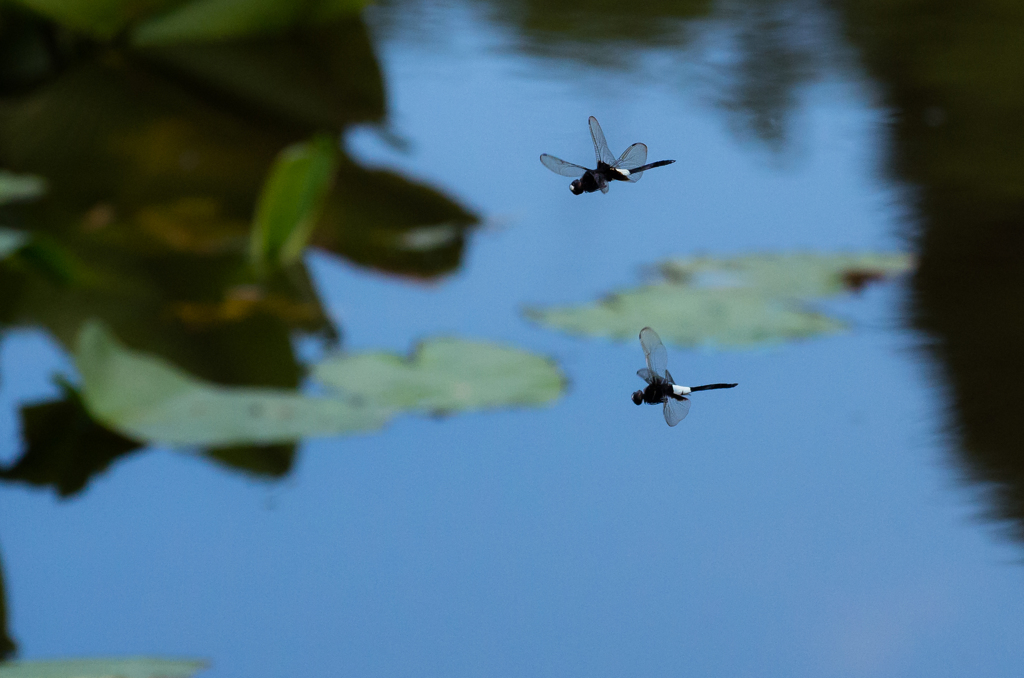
604, 188
676, 410
601, 149
632, 157
654, 351
668, 377
646, 375
566, 169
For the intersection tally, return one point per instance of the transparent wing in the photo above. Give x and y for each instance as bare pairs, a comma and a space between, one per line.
632, 157
601, 149
604, 188
668, 377
676, 410
646, 375
566, 169
654, 351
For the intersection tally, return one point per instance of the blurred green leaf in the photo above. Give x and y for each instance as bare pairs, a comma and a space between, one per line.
217, 20
11, 241
729, 302
102, 19
147, 399
445, 375
42, 255
129, 667
292, 200
20, 187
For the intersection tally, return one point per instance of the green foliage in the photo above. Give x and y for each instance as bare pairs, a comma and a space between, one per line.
446, 375
292, 201
151, 22
147, 399
15, 187
729, 302
101, 19
129, 667
216, 20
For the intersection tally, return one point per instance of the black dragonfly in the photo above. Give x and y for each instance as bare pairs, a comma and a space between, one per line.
661, 387
629, 167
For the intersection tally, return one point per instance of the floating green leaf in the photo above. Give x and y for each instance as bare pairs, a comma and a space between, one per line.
20, 187
214, 20
129, 667
729, 302
445, 375
147, 399
292, 200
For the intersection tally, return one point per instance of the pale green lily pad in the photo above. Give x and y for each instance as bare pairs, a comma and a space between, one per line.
147, 399
730, 302
11, 241
129, 667
15, 187
446, 375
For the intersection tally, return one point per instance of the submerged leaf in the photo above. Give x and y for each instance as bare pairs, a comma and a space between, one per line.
15, 187
147, 399
128, 667
11, 241
729, 302
445, 375
292, 200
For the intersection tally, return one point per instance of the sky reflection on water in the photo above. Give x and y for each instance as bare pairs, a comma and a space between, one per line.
811, 522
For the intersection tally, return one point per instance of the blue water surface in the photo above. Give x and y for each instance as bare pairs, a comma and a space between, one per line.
805, 524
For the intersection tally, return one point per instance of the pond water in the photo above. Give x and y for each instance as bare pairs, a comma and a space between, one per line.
837, 514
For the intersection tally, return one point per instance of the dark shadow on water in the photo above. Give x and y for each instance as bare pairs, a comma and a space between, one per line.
64, 446
952, 71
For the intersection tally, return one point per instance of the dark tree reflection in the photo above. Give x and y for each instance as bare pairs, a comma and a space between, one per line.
953, 72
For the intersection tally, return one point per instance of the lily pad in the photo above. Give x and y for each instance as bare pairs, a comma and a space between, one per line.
129, 667
730, 302
148, 399
446, 375
15, 187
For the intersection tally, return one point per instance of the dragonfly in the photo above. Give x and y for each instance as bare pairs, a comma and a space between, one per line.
661, 387
629, 167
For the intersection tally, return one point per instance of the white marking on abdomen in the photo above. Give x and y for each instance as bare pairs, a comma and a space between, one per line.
623, 172
680, 390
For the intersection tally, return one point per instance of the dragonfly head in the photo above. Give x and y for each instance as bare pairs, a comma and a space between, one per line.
638, 397
576, 187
